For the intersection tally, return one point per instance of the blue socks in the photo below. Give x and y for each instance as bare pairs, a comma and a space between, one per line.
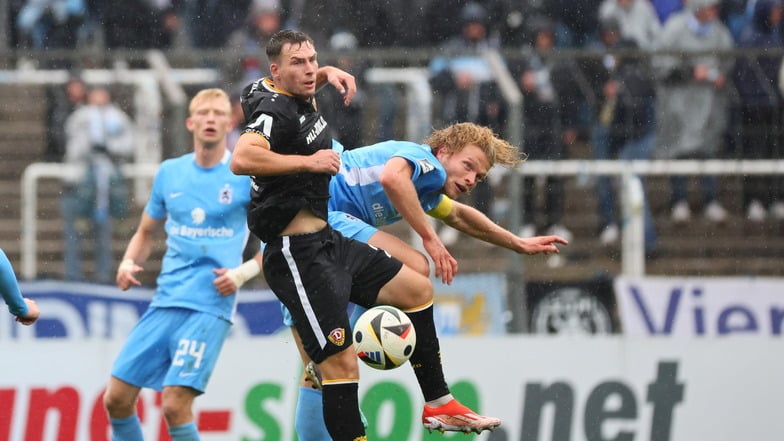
309, 417
185, 432
130, 429
126, 429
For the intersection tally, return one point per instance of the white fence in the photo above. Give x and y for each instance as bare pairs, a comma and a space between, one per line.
633, 257
29, 188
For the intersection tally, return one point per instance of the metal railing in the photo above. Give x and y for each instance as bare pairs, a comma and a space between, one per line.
29, 188
632, 241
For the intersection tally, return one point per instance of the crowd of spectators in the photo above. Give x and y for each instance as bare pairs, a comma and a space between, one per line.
657, 106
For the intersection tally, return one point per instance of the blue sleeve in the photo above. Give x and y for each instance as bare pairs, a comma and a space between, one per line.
10, 288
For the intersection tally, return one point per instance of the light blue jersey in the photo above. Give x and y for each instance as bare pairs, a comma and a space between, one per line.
206, 228
358, 203
356, 189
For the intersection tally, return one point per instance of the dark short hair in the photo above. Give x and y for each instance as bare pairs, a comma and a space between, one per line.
283, 37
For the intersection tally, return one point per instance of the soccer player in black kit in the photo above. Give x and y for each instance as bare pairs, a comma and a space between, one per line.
315, 271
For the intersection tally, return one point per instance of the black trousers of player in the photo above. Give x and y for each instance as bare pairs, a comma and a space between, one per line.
315, 275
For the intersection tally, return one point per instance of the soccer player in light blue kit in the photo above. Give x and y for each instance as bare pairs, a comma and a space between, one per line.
202, 206
25, 310
383, 183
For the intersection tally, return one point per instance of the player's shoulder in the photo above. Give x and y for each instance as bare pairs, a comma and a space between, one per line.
407, 148
263, 95
177, 161
392, 146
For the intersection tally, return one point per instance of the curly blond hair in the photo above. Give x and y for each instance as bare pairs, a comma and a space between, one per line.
457, 136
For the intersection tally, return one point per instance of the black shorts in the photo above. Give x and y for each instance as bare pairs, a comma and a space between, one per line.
315, 275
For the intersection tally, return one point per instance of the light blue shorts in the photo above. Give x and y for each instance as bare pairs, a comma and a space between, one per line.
172, 347
351, 226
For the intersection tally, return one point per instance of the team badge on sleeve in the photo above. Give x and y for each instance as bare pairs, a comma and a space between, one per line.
426, 166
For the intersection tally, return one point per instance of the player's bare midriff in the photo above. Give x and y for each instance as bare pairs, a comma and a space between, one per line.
304, 222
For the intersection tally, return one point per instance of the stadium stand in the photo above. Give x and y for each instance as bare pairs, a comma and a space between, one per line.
697, 248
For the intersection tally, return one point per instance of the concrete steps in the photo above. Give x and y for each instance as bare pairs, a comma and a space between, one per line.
696, 248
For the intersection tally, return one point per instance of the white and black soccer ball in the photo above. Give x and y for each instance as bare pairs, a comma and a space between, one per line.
384, 337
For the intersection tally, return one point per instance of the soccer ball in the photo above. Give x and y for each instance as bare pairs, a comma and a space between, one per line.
384, 337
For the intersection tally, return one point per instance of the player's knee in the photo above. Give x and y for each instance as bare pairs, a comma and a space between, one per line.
118, 406
421, 291
421, 265
407, 290
176, 404
174, 412
342, 365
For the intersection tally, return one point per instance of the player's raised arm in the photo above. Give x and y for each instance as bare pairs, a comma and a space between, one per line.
253, 157
400, 189
476, 224
341, 80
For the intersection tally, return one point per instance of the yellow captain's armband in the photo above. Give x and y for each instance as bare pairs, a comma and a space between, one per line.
443, 208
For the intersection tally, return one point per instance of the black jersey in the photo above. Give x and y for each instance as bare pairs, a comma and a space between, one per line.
293, 127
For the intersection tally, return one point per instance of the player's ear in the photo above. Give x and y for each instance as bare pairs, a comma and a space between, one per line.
441, 152
189, 124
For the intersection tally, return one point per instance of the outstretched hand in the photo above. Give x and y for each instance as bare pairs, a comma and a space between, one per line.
543, 244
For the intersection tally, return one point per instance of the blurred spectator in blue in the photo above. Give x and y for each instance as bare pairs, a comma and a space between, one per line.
50, 24
760, 109
624, 126
693, 107
263, 20
666, 8
463, 81
140, 24
62, 101
211, 22
636, 18
539, 79
737, 15
99, 138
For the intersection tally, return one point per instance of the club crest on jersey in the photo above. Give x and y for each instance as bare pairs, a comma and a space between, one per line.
426, 166
226, 195
337, 336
